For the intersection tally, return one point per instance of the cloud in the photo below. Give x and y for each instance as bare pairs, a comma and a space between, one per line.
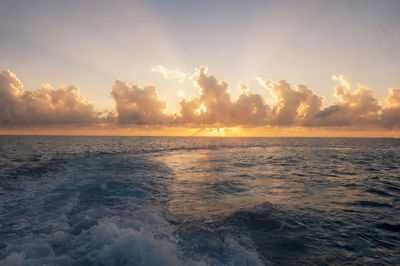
215, 97
343, 81
170, 73
358, 108
393, 100
391, 113
250, 110
355, 108
327, 111
215, 107
44, 106
293, 107
137, 105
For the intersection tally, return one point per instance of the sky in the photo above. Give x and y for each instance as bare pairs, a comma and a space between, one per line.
330, 65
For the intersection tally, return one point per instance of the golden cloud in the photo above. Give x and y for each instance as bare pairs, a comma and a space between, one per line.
212, 108
44, 106
215, 107
359, 108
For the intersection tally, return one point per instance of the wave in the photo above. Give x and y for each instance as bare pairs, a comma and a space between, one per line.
194, 201
106, 210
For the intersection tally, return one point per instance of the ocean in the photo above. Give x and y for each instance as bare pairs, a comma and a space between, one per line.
199, 201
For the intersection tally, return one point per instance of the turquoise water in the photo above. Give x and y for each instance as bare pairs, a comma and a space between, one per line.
198, 201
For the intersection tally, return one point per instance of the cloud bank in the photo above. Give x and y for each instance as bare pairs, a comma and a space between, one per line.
44, 106
355, 107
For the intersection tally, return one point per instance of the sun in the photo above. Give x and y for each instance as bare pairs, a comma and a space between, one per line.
219, 132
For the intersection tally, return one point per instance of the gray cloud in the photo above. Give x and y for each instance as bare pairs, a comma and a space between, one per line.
138, 106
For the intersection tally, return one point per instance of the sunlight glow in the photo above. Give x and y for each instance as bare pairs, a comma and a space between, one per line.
214, 132
201, 109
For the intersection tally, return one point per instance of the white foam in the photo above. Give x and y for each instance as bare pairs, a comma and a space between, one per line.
113, 245
75, 233
13, 259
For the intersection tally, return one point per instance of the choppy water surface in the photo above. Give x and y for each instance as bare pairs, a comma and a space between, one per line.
198, 201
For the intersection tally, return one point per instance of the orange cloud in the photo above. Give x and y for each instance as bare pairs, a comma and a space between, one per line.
293, 107
390, 117
212, 109
44, 106
215, 107
354, 109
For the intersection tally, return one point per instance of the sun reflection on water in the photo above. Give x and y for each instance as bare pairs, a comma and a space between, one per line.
203, 189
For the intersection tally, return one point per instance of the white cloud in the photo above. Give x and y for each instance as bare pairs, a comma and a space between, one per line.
170, 74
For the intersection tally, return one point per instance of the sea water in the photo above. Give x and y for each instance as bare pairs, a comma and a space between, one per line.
198, 201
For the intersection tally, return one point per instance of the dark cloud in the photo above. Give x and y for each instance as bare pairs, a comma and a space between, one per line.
328, 111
